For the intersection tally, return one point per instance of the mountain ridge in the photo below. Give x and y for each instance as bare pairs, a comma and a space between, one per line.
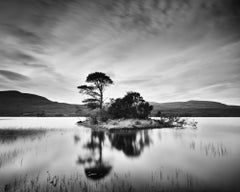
16, 103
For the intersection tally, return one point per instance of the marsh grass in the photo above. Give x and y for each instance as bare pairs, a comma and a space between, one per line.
9, 150
210, 149
178, 181
9, 156
10, 135
63, 183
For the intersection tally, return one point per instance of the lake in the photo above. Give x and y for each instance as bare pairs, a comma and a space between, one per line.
55, 154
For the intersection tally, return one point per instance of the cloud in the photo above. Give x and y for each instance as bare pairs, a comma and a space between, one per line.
23, 34
134, 81
35, 65
165, 49
13, 76
141, 80
17, 55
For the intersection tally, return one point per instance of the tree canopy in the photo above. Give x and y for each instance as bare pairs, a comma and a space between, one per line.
97, 82
132, 105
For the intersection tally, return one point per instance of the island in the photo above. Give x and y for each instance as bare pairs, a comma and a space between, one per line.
129, 112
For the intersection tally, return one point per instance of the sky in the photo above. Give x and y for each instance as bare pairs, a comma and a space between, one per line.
168, 50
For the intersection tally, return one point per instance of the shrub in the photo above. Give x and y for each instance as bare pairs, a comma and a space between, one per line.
131, 105
159, 114
138, 123
93, 119
103, 115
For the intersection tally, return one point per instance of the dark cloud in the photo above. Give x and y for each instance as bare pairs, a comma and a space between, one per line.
21, 33
13, 76
29, 23
17, 56
153, 16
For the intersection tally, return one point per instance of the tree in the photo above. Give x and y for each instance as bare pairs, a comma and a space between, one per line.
144, 110
131, 105
158, 114
97, 83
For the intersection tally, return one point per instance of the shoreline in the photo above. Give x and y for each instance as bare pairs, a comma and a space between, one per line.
130, 124
135, 128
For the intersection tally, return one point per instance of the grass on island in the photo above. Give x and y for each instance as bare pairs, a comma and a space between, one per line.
117, 124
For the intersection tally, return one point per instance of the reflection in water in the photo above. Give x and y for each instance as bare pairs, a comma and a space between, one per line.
95, 168
76, 139
131, 143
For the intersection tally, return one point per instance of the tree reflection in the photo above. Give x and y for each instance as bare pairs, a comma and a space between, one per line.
131, 143
96, 168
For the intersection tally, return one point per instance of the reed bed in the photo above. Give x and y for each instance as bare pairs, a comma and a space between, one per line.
76, 182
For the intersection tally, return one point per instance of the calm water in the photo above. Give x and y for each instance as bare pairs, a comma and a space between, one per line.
204, 158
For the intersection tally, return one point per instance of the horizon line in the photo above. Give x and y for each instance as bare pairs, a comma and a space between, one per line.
183, 101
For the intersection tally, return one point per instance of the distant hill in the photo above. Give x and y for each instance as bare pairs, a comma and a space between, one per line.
197, 109
15, 103
190, 104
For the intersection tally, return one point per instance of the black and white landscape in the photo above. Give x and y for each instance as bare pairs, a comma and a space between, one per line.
119, 95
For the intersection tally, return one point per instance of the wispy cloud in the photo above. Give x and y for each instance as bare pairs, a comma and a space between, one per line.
13, 76
167, 50
20, 33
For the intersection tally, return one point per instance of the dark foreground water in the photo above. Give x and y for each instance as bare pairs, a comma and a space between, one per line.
54, 154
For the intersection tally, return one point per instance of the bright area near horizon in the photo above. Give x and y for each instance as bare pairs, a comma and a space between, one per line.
166, 50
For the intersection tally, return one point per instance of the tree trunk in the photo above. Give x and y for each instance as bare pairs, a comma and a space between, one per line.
101, 99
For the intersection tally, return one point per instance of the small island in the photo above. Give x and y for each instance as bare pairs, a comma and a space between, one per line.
129, 112
132, 124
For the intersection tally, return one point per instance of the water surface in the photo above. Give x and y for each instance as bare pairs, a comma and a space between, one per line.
206, 158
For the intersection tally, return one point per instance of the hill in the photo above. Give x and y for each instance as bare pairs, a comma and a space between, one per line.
15, 103
197, 109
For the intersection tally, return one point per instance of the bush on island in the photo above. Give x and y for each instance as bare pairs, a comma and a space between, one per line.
132, 105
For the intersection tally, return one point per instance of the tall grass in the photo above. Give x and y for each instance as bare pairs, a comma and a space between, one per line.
9, 156
11, 135
179, 181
